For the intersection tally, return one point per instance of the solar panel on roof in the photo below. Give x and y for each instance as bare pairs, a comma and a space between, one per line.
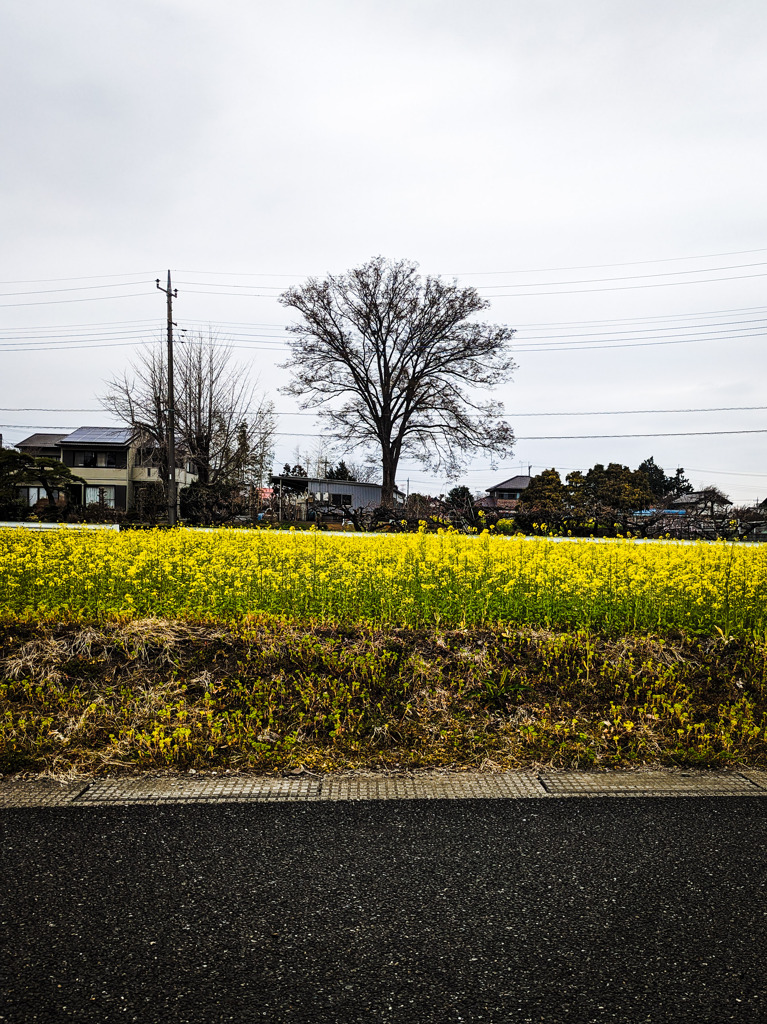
100, 435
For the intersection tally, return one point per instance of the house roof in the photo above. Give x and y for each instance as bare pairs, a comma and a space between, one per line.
337, 485
514, 483
99, 435
696, 497
40, 441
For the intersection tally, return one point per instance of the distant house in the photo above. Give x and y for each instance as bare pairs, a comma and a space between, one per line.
303, 494
709, 500
506, 494
112, 460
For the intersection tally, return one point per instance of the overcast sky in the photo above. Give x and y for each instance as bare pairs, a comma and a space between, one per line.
596, 168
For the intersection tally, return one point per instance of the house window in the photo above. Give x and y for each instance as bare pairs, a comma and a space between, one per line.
95, 495
96, 460
340, 499
35, 494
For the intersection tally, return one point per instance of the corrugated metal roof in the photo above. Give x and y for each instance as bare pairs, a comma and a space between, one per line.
324, 484
99, 435
40, 441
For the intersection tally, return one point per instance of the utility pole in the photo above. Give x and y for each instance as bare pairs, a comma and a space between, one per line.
172, 507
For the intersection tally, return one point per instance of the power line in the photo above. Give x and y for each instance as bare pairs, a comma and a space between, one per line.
722, 472
602, 346
598, 412
627, 287
512, 295
632, 412
640, 319
77, 288
243, 295
605, 266
558, 437
593, 437
40, 408
51, 334
272, 287
232, 273
571, 469
89, 324
71, 348
629, 277
271, 343
567, 341
50, 426
482, 273
86, 277
58, 302
201, 323
654, 330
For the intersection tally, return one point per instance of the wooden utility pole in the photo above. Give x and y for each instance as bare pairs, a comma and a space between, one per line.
172, 503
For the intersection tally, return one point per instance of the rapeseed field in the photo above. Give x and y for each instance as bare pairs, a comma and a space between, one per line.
264, 651
404, 580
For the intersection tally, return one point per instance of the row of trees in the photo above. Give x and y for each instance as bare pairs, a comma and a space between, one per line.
645, 501
615, 487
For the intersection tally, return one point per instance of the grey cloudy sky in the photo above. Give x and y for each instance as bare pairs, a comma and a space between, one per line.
247, 145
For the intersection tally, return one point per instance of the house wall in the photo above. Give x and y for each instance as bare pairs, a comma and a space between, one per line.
298, 503
360, 494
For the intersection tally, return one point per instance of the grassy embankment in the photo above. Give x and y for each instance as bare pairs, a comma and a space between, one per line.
263, 651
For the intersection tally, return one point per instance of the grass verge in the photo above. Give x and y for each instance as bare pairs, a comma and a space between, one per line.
265, 694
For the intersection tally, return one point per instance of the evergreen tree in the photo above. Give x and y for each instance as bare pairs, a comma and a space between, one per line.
340, 472
545, 492
664, 487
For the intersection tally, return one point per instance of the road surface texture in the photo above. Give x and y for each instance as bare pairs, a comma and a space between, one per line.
586, 909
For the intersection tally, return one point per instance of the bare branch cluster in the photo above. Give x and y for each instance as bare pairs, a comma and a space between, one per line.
400, 359
224, 426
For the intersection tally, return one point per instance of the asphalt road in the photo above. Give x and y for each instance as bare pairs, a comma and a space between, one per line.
593, 910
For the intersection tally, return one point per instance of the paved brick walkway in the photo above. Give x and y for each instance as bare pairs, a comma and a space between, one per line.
185, 789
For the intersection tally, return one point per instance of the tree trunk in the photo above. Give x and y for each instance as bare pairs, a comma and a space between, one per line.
48, 491
389, 466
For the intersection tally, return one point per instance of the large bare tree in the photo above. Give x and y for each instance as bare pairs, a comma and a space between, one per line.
403, 356
224, 426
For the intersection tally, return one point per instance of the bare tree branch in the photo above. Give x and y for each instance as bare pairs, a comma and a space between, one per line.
403, 356
223, 425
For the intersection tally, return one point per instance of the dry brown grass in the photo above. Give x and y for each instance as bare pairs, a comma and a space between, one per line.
266, 694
